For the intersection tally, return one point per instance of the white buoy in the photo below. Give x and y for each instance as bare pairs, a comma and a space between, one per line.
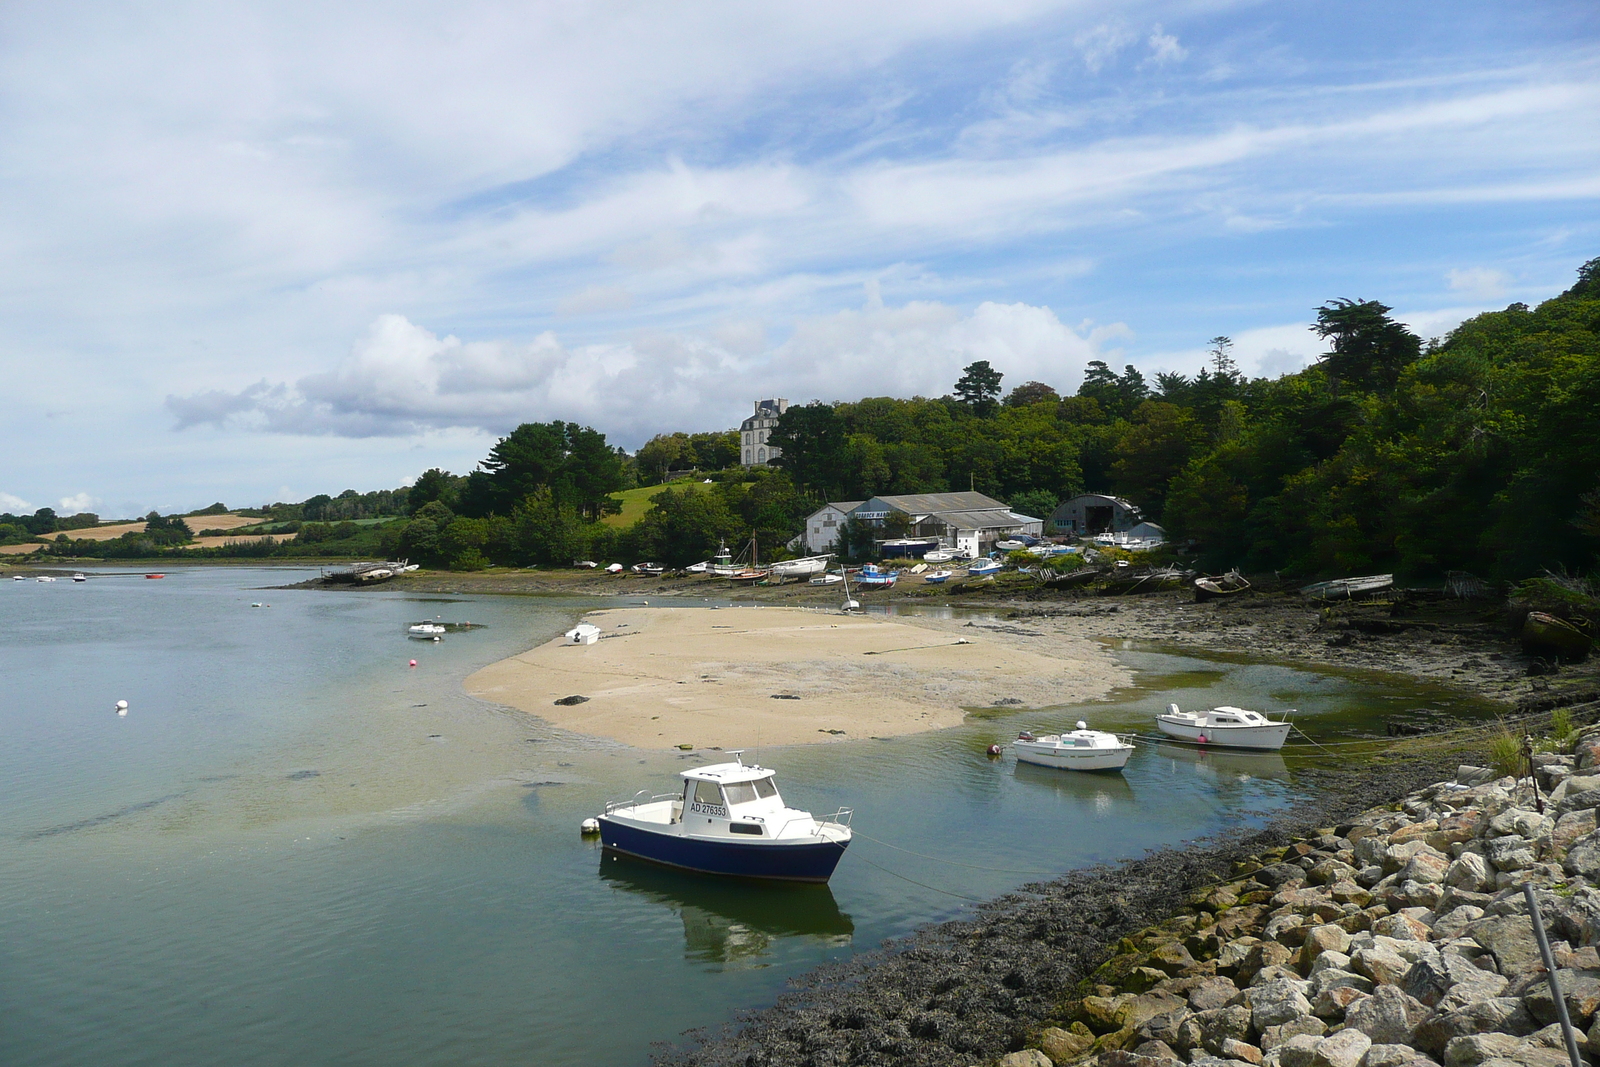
590, 826
122, 707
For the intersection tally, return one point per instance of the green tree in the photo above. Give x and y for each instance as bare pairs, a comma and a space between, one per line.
433, 484
1368, 348
813, 440
978, 388
1031, 393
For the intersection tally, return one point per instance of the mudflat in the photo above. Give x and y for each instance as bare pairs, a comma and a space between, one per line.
738, 677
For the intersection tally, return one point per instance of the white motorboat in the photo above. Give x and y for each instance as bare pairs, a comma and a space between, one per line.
1225, 726
728, 819
1010, 545
80, 577
827, 579
45, 578
938, 555
426, 630
805, 567
1081, 750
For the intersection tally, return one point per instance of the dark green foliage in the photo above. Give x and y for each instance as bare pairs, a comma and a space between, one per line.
665, 453
573, 462
1117, 395
1038, 503
978, 388
684, 526
434, 484
1369, 349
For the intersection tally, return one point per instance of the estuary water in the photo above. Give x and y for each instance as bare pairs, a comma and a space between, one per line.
297, 848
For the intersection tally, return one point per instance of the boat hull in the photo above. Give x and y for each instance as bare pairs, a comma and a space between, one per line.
1257, 738
807, 861
1549, 635
1066, 759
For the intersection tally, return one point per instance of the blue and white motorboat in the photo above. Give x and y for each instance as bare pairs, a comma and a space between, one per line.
871, 576
938, 577
984, 567
730, 820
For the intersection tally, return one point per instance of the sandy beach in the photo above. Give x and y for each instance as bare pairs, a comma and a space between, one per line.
736, 677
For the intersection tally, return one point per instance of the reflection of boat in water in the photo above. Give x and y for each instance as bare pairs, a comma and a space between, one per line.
1232, 763
1103, 791
725, 922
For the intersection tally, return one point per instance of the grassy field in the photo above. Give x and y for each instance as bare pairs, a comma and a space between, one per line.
635, 502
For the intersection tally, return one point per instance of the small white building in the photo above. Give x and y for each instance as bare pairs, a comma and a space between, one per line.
754, 431
1088, 514
822, 527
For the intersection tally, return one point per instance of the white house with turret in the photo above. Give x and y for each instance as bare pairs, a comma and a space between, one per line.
753, 432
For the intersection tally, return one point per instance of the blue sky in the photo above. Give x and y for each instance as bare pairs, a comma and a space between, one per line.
259, 251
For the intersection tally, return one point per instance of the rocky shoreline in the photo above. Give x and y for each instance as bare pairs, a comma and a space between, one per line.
1341, 935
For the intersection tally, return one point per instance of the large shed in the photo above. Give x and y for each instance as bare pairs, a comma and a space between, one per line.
1088, 514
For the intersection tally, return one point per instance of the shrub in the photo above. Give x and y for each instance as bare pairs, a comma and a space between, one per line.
1505, 752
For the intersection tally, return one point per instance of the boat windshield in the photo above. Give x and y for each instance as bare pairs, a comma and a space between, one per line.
745, 792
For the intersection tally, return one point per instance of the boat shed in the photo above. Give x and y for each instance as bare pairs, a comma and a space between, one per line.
821, 533
969, 523
1088, 514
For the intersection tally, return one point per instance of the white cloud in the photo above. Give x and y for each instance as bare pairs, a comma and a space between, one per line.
1099, 45
1479, 282
1164, 47
78, 502
596, 298
15, 504
402, 379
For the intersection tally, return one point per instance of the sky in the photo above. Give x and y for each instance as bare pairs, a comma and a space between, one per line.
257, 251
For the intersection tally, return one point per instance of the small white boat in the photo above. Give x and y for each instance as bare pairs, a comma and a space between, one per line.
1081, 750
1225, 726
827, 579
45, 578
426, 630
585, 564
1011, 545
585, 633
728, 819
938, 577
804, 567
984, 567
939, 555
650, 570
18, 578
613, 568
1347, 588
80, 578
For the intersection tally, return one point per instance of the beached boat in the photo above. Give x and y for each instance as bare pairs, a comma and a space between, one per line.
1347, 588
1230, 584
984, 567
1554, 637
805, 567
938, 555
1130, 579
1011, 545
649, 570
585, 564
827, 579
426, 630
871, 576
729, 820
936, 577
1081, 750
1227, 726
1054, 579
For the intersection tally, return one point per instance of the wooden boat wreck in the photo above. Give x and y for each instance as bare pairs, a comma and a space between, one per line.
1553, 637
1231, 584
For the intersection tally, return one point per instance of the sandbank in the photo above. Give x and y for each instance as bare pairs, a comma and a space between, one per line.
664, 677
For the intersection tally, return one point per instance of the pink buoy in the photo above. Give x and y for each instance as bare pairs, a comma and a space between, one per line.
413, 663
994, 750
1202, 736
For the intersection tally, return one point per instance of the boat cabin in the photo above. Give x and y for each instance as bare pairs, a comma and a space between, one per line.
1227, 715
732, 798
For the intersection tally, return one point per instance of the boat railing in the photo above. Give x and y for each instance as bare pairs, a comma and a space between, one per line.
635, 801
840, 818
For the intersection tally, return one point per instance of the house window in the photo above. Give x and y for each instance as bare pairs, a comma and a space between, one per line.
762, 454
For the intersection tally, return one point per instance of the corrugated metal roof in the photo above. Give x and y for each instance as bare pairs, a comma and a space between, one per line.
926, 503
983, 520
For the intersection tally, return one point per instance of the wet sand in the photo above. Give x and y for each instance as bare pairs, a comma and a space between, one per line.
739, 677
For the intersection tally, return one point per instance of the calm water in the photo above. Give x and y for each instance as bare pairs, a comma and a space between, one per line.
298, 849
